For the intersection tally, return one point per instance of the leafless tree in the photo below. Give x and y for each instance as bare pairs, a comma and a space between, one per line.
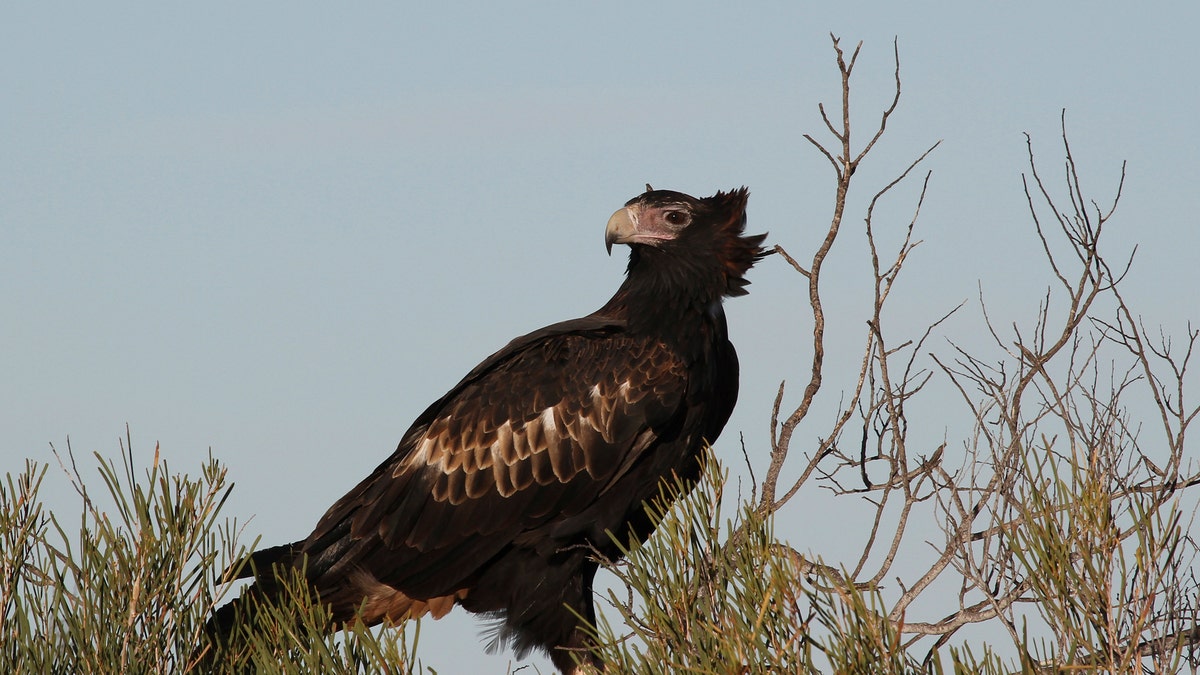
1064, 512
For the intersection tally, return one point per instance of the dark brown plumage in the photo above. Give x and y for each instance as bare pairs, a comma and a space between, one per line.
500, 492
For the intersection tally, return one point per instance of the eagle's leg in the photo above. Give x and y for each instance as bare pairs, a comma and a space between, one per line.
574, 657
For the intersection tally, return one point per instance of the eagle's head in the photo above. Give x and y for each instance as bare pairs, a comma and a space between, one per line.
679, 230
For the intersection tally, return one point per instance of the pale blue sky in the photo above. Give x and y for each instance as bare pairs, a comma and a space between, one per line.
280, 231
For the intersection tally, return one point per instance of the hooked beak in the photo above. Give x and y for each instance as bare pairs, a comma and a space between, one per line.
621, 229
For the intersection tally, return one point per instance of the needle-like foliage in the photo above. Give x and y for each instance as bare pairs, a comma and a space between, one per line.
126, 584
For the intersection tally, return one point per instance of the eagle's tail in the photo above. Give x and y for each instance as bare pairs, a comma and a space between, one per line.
221, 630
280, 572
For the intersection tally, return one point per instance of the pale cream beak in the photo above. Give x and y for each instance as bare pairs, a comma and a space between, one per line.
621, 229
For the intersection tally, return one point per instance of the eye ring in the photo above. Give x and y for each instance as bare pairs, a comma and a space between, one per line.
676, 218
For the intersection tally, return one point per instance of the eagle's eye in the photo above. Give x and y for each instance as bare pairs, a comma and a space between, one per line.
676, 218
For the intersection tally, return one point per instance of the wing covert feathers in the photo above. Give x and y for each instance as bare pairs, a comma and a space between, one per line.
538, 435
